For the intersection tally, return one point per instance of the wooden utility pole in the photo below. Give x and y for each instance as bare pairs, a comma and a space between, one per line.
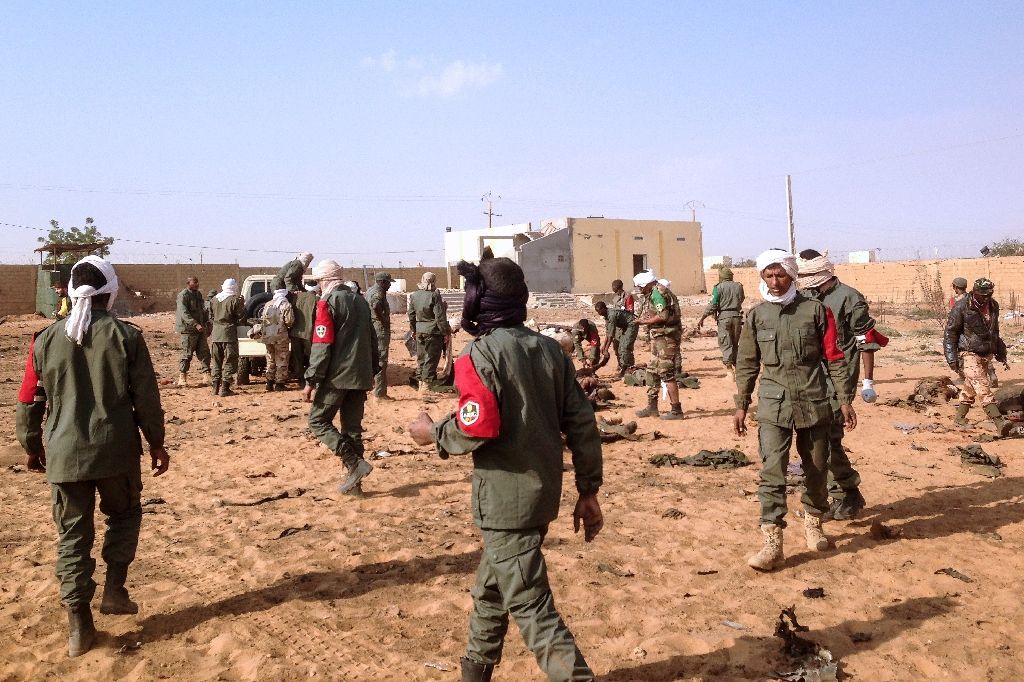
489, 198
789, 206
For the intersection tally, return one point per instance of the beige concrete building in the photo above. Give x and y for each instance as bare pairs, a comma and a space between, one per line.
583, 255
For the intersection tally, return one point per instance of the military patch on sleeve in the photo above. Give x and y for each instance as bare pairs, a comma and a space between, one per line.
323, 327
479, 414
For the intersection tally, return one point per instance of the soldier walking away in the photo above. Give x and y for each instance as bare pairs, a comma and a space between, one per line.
293, 271
428, 321
858, 339
227, 311
518, 395
663, 320
959, 291
620, 334
970, 343
277, 319
726, 307
341, 368
789, 340
380, 310
92, 375
301, 333
191, 322
62, 307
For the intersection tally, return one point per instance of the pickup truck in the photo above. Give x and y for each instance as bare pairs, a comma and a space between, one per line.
252, 355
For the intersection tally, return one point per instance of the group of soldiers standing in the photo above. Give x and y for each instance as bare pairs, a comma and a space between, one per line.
803, 347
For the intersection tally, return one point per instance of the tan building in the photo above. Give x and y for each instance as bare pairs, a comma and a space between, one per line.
583, 255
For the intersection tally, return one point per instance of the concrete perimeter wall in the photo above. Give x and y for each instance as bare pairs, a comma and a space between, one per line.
906, 281
153, 288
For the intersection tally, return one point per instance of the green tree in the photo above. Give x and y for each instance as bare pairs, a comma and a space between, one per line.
88, 234
1004, 247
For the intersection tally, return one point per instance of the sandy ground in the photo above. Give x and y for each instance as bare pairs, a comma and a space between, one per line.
378, 588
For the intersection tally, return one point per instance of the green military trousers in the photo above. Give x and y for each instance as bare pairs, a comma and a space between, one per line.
300, 350
842, 477
729, 339
73, 507
513, 579
225, 362
625, 340
194, 344
812, 446
429, 348
380, 379
347, 442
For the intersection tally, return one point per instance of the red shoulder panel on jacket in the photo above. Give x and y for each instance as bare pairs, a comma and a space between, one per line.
830, 344
875, 336
479, 415
323, 327
29, 382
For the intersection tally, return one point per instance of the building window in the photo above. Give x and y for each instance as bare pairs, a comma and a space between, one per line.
638, 238
680, 239
639, 262
561, 259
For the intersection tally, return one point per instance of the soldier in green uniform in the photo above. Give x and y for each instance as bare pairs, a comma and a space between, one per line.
341, 368
92, 378
664, 321
428, 321
789, 340
518, 395
959, 291
292, 271
377, 297
726, 307
301, 333
620, 334
586, 341
858, 340
227, 311
190, 322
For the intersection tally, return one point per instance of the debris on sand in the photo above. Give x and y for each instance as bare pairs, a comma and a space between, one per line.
815, 593
729, 458
673, 513
815, 662
615, 570
880, 532
974, 458
292, 531
953, 573
929, 391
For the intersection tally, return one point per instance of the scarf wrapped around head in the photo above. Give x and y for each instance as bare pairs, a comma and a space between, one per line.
80, 317
428, 282
788, 263
496, 295
228, 289
305, 258
814, 272
725, 274
643, 278
329, 274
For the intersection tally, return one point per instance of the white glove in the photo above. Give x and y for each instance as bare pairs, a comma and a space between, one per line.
867, 391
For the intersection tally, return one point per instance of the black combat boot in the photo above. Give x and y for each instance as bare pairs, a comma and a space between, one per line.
216, 387
676, 413
115, 596
651, 410
225, 390
476, 672
81, 631
279, 386
847, 508
270, 386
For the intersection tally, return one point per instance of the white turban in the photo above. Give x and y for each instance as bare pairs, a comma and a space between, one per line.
305, 258
788, 263
81, 296
815, 271
329, 274
228, 289
665, 283
427, 282
643, 278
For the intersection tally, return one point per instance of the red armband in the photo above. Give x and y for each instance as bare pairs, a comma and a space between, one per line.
323, 327
629, 303
594, 339
28, 392
479, 415
830, 344
875, 336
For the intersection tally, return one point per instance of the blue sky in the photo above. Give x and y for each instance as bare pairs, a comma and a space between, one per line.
359, 130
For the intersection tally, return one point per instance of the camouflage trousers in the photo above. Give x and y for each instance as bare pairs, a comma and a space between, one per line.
278, 356
513, 580
977, 379
665, 364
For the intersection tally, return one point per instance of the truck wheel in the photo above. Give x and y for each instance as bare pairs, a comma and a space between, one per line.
243, 372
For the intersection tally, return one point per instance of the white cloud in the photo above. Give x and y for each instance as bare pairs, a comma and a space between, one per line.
459, 76
414, 78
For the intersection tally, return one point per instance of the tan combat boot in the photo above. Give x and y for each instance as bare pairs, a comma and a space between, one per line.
814, 534
770, 557
1001, 424
182, 379
961, 415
